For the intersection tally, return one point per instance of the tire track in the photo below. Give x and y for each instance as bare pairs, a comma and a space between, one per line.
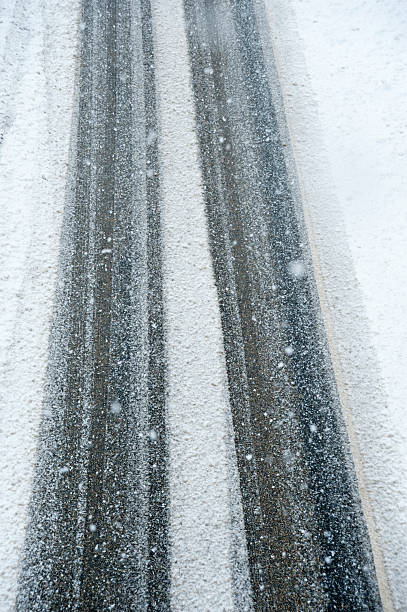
98, 532
158, 517
298, 486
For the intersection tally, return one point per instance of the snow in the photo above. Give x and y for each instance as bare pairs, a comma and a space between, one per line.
343, 69
297, 269
37, 45
204, 491
152, 434
115, 407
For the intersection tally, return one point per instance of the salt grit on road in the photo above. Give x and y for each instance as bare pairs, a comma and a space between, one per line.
343, 70
38, 47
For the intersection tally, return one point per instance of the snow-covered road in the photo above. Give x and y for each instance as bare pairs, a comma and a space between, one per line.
185, 442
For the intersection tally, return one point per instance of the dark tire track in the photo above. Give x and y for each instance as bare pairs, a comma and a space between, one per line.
158, 517
307, 540
98, 535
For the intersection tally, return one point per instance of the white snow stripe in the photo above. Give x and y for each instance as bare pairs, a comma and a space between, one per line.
198, 405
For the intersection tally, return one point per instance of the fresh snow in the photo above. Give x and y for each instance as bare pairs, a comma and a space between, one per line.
37, 62
343, 69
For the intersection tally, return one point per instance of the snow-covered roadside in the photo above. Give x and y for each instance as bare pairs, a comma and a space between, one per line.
37, 64
343, 71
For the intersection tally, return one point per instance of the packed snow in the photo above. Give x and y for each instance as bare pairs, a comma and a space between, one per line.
204, 491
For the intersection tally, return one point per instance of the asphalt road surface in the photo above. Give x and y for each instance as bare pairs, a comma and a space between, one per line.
100, 534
